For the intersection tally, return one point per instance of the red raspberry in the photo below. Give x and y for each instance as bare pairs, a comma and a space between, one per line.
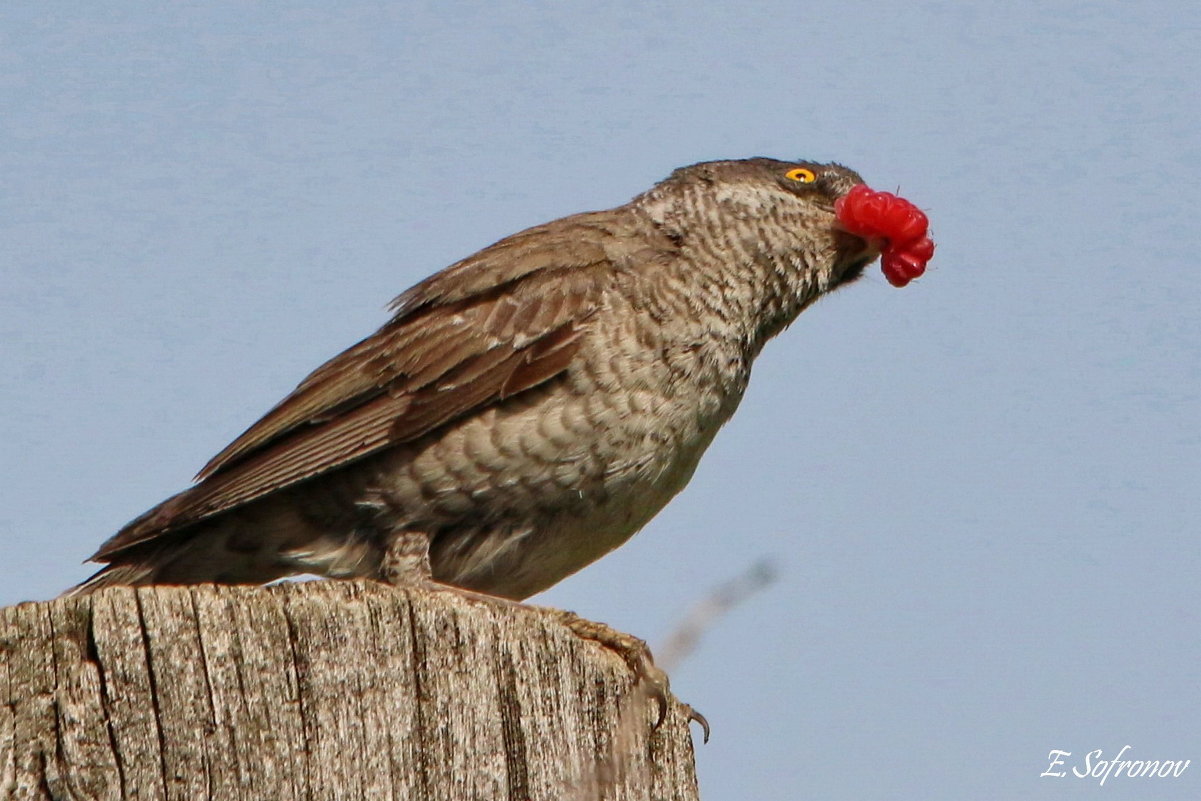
871, 214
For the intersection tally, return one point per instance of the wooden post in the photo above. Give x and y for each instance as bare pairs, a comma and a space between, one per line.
320, 690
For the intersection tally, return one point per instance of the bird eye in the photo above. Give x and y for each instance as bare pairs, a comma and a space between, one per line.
801, 175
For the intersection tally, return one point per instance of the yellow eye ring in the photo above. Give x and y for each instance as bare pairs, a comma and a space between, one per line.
801, 175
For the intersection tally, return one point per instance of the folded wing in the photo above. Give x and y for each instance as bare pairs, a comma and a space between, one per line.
486, 329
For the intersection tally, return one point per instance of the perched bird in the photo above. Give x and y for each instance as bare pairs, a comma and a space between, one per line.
529, 408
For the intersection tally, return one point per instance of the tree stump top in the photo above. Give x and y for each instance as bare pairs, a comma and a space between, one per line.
320, 690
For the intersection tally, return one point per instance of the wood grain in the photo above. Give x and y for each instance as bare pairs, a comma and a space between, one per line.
320, 690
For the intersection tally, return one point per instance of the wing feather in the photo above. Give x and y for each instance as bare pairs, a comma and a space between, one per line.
456, 345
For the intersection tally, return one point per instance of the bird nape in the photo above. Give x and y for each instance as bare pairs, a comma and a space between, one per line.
529, 408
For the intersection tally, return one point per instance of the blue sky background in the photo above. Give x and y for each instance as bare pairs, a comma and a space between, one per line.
980, 492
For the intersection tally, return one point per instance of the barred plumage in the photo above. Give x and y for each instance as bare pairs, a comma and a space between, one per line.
530, 407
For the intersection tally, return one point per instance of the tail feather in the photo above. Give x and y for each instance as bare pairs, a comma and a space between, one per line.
262, 542
113, 576
207, 557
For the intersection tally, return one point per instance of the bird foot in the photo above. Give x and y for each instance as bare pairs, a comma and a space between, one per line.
650, 680
406, 564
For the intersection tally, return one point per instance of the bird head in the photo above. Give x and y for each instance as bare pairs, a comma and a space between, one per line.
817, 224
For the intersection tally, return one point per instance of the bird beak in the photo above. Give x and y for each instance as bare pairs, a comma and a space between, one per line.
857, 246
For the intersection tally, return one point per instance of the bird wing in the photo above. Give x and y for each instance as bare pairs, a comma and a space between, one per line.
485, 329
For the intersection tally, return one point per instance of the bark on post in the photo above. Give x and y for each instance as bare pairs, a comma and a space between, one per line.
322, 690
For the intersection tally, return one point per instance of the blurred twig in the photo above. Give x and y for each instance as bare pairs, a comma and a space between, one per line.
684, 639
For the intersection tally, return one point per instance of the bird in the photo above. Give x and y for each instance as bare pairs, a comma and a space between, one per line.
527, 409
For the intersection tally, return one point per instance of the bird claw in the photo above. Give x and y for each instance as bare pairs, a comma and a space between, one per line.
649, 678
697, 717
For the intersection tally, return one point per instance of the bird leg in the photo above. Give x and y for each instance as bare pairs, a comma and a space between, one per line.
406, 561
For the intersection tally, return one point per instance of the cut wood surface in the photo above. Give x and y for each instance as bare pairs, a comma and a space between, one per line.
321, 690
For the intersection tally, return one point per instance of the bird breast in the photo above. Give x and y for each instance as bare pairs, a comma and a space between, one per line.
538, 487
